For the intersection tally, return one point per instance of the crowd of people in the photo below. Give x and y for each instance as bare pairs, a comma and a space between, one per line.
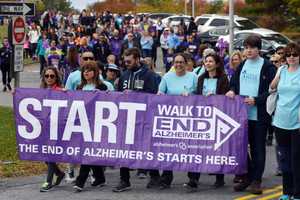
117, 52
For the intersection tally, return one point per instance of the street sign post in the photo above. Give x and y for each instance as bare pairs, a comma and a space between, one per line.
17, 8
18, 30
18, 58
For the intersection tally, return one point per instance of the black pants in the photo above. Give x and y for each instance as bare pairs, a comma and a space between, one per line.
289, 158
5, 74
33, 47
52, 169
98, 173
257, 133
125, 174
43, 63
195, 176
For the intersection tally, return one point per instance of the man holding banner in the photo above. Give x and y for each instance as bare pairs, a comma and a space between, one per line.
252, 80
139, 78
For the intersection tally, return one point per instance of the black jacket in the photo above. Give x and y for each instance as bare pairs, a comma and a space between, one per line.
267, 74
148, 78
135, 43
101, 51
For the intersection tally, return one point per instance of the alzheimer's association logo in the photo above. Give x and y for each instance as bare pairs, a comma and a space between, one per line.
204, 123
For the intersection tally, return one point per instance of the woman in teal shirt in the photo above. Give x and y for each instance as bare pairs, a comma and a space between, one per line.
213, 81
286, 121
180, 82
90, 81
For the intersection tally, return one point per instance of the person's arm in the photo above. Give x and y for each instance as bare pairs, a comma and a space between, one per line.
162, 88
276, 79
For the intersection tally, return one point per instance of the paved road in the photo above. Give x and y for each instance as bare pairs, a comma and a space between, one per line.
28, 187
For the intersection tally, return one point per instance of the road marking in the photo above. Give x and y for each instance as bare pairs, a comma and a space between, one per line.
268, 191
272, 196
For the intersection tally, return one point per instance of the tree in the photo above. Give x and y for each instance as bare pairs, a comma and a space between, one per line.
61, 5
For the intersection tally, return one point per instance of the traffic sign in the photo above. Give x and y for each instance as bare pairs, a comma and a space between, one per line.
17, 8
18, 30
18, 58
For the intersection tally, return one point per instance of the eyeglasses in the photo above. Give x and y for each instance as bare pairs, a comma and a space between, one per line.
291, 54
179, 62
87, 58
51, 76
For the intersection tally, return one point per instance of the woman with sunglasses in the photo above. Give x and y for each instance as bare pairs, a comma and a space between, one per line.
286, 121
90, 81
51, 80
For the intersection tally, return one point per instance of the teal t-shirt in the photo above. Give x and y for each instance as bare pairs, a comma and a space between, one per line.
288, 102
89, 87
209, 86
74, 80
199, 70
249, 82
177, 85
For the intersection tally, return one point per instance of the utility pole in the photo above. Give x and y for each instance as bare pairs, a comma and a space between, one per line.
231, 25
193, 8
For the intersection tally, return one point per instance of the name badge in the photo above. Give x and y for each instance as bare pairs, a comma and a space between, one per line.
138, 84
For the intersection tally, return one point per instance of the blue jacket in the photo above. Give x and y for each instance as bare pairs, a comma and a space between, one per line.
267, 74
148, 78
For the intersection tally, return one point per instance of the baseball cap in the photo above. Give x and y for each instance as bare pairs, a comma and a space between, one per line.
113, 67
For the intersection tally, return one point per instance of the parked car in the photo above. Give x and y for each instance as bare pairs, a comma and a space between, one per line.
211, 36
175, 20
155, 16
206, 22
276, 38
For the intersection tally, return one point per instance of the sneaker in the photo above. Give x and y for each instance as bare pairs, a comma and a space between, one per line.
241, 186
153, 183
284, 197
9, 87
70, 177
4, 89
163, 186
141, 175
237, 179
255, 188
77, 189
122, 186
59, 179
46, 187
278, 173
191, 186
219, 184
98, 184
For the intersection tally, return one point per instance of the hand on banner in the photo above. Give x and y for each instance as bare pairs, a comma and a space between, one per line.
230, 94
160, 93
249, 101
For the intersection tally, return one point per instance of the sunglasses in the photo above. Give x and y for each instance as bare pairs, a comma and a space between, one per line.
275, 61
51, 76
291, 54
87, 58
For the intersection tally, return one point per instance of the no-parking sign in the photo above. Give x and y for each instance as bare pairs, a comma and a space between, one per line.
18, 30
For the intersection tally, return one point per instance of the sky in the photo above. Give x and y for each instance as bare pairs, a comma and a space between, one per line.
81, 4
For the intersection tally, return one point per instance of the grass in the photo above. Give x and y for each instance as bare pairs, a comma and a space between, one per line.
10, 165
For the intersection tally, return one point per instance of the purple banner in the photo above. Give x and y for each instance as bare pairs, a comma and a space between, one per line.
135, 130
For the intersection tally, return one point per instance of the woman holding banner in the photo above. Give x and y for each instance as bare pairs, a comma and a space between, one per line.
286, 121
180, 82
51, 80
90, 81
213, 81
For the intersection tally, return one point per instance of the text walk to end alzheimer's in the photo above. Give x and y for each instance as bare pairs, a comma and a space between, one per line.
194, 133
